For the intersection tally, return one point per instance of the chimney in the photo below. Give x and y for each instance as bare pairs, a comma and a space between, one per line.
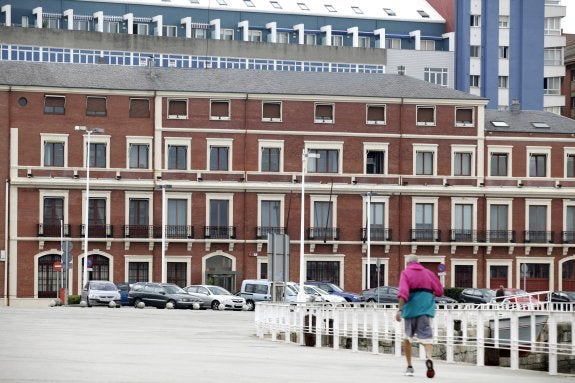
515, 106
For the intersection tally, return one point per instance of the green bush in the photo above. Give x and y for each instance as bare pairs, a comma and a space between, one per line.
73, 299
454, 292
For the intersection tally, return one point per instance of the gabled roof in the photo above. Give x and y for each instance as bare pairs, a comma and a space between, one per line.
528, 121
94, 76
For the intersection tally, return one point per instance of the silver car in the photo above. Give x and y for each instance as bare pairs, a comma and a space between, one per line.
215, 296
101, 293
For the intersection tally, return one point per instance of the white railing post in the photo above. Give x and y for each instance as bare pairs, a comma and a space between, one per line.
450, 337
552, 328
374, 332
354, 331
336, 316
514, 340
480, 339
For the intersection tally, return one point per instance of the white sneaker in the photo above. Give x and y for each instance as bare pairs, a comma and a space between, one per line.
409, 371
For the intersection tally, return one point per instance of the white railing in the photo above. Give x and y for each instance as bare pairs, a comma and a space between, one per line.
372, 327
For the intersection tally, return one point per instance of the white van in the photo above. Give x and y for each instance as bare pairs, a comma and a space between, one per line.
258, 290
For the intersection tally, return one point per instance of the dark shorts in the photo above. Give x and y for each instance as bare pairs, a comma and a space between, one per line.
420, 327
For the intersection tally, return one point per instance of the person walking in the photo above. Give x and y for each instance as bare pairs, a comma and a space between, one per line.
500, 294
417, 287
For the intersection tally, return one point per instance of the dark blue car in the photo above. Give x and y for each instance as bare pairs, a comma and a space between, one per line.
334, 289
124, 288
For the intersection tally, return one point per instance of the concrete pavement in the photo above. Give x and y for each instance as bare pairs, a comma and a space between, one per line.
99, 344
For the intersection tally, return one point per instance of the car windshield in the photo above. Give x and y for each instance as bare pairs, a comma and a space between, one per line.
107, 286
173, 289
217, 290
336, 288
570, 294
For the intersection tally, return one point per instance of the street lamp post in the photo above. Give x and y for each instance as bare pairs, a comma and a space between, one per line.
304, 157
368, 234
89, 132
164, 187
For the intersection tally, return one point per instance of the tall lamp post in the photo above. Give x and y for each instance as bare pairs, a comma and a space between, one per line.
89, 132
163, 187
301, 292
368, 234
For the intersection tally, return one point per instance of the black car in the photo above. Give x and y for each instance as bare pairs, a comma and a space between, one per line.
474, 295
160, 294
563, 300
334, 289
381, 294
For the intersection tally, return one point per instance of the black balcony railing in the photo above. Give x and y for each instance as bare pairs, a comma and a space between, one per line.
425, 235
220, 232
538, 236
500, 236
97, 231
568, 236
263, 231
323, 233
138, 231
53, 230
464, 235
376, 233
175, 231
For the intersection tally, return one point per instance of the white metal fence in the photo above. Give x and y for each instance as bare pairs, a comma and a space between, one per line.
517, 328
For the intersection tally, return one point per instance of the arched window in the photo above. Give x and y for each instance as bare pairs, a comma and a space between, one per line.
100, 268
48, 278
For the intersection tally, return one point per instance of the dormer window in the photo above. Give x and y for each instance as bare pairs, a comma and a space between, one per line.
249, 3
222, 2
177, 109
276, 5
357, 10
426, 115
219, 110
464, 117
324, 113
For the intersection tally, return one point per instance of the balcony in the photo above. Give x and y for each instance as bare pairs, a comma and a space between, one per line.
219, 232
53, 230
538, 236
97, 231
138, 231
323, 233
568, 236
425, 235
263, 231
500, 236
175, 231
376, 234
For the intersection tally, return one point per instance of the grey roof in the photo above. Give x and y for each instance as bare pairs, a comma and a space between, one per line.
93, 76
522, 122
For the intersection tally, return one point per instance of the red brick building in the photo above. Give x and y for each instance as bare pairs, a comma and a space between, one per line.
480, 192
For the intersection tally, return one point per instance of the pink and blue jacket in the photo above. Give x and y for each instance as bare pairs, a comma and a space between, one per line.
418, 286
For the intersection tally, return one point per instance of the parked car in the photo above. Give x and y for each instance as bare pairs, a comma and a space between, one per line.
213, 296
474, 295
519, 298
258, 290
124, 288
445, 302
381, 294
322, 296
100, 293
160, 294
562, 300
332, 288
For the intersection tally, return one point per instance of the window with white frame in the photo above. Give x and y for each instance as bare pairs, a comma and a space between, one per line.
330, 157
427, 45
219, 109
552, 85
437, 76
474, 81
272, 111
139, 214
424, 159
463, 157
170, 31
323, 217
98, 213
139, 152
114, 27
503, 52
178, 215
337, 40
178, 108
219, 216
538, 214
96, 106
99, 153
500, 161
81, 25
503, 82
227, 34
538, 161
324, 113
54, 150
177, 153
364, 42
138, 268
464, 211
393, 43
270, 215
474, 51
219, 154
552, 26
569, 163
475, 20
283, 37
425, 115
424, 218
255, 36
53, 213
553, 56
499, 220
310, 39
139, 29
568, 221
378, 218
375, 158
464, 117
271, 155
54, 104
375, 114
200, 33
503, 21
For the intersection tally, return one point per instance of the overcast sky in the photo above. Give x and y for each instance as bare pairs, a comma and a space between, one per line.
568, 22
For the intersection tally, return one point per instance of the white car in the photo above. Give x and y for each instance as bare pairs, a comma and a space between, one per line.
322, 295
216, 297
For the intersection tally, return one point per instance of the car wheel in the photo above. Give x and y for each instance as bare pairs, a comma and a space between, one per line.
215, 305
250, 305
136, 301
88, 302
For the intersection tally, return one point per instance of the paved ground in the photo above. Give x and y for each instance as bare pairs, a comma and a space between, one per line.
73, 344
